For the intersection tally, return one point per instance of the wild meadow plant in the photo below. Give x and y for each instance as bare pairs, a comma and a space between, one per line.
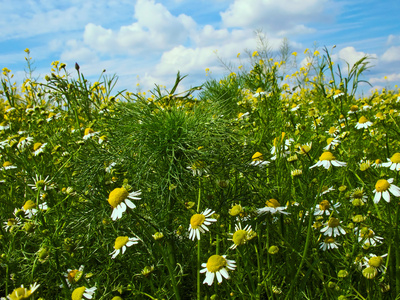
262, 186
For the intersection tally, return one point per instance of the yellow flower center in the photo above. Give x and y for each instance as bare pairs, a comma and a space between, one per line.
22, 139
332, 130
333, 222
324, 205
7, 164
196, 220
216, 263
257, 156
120, 242
329, 240
358, 194
77, 294
354, 108
367, 233
235, 210
71, 275
272, 203
363, 120
375, 261
240, 237
20, 293
305, 149
395, 158
36, 146
88, 131
382, 185
326, 156
29, 205
117, 196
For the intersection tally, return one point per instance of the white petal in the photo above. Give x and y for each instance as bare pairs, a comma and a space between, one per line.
386, 196
377, 197
130, 204
198, 234
114, 214
224, 273
395, 190
219, 277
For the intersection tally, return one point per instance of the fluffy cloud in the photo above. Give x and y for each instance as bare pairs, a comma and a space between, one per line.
395, 77
351, 56
273, 15
156, 29
392, 54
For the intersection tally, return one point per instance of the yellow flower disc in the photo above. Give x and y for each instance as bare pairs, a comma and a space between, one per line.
240, 237
369, 272
77, 294
29, 205
71, 275
120, 242
363, 120
257, 156
326, 156
235, 210
324, 205
7, 164
196, 220
329, 240
382, 185
88, 131
375, 261
36, 146
216, 263
22, 139
20, 293
354, 108
272, 203
333, 222
117, 196
395, 158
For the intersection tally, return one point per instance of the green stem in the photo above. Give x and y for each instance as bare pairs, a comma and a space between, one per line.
198, 271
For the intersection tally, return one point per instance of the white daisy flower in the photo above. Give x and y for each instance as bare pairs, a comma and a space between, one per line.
272, 206
363, 123
241, 236
393, 163
331, 143
217, 265
325, 208
38, 148
11, 223
41, 184
198, 168
22, 292
382, 189
8, 166
89, 132
199, 223
327, 160
375, 262
368, 237
73, 275
333, 228
119, 199
329, 243
30, 208
257, 160
121, 243
24, 142
83, 293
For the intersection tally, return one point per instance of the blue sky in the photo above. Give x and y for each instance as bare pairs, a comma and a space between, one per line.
148, 41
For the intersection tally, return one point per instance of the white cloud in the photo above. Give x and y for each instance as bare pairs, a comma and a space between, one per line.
351, 56
393, 39
273, 15
392, 54
395, 77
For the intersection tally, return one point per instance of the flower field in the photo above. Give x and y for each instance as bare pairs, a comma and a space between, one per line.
278, 181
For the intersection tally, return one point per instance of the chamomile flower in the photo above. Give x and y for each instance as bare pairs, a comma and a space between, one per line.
358, 196
272, 206
236, 210
257, 160
199, 223
325, 208
217, 266
304, 149
8, 166
241, 236
73, 275
329, 243
363, 123
89, 132
375, 262
22, 292
121, 243
119, 199
30, 208
333, 131
331, 143
83, 293
198, 168
368, 237
24, 142
327, 160
382, 189
10, 223
38, 148
41, 184
333, 228
393, 163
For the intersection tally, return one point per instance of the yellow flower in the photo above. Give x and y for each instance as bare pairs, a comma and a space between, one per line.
121, 243
217, 265
382, 189
199, 223
119, 199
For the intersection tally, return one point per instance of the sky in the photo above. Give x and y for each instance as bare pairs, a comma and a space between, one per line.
147, 42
